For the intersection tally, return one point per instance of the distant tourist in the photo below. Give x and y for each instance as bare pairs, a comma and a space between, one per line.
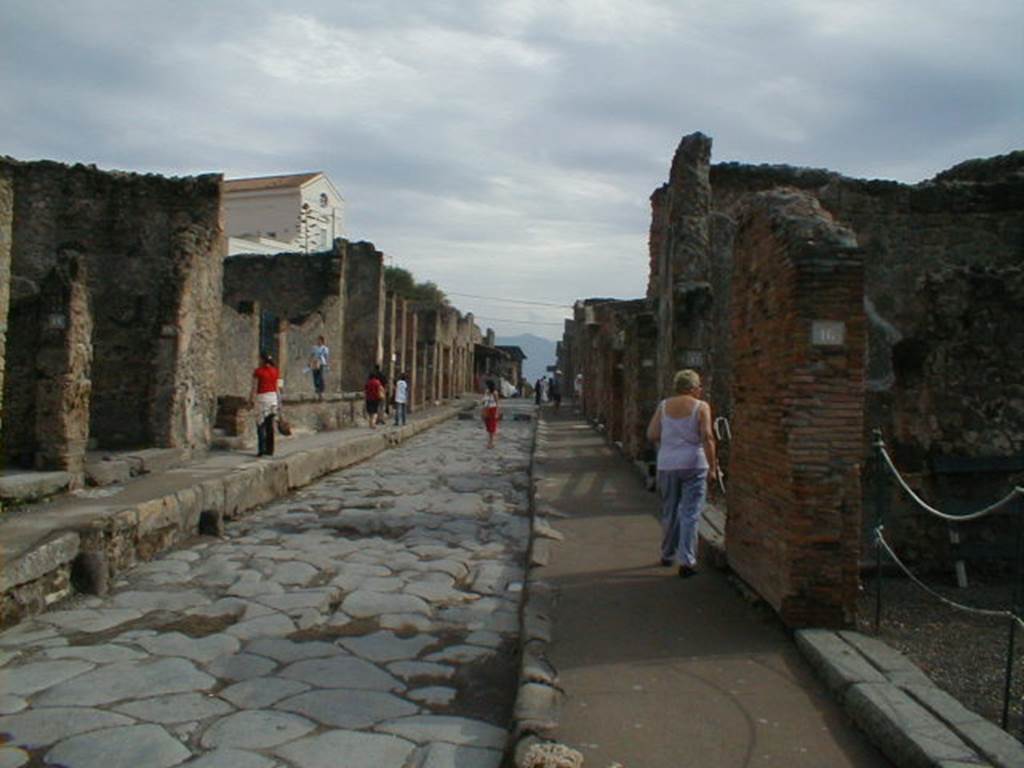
385, 402
266, 399
538, 390
374, 393
555, 390
318, 357
681, 426
401, 399
577, 388
490, 412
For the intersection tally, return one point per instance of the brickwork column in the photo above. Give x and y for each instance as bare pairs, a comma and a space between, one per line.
6, 226
412, 358
797, 318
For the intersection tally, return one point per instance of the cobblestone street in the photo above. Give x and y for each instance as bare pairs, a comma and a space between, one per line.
369, 619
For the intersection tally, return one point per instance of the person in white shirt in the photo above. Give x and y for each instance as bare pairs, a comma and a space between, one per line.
401, 399
318, 357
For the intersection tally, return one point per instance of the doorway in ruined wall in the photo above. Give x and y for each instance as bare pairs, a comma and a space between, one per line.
616, 398
270, 339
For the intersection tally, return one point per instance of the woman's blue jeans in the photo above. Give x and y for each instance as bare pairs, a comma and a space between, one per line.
683, 492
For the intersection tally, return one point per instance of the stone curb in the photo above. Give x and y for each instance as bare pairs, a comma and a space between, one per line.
913, 722
84, 556
539, 700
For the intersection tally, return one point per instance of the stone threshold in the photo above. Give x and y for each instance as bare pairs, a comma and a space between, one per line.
52, 554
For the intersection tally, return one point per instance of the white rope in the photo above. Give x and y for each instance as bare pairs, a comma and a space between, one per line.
998, 613
1005, 501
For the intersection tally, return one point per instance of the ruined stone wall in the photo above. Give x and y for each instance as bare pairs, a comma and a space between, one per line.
364, 313
6, 225
239, 349
152, 248
798, 330
640, 380
302, 295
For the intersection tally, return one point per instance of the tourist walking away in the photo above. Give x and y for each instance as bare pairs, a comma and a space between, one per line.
489, 411
577, 388
538, 390
385, 404
555, 390
681, 427
266, 400
401, 399
318, 357
373, 391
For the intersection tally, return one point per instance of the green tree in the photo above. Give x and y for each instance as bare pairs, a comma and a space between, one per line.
402, 283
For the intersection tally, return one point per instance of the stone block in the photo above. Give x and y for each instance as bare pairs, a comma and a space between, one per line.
41, 559
159, 459
995, 744
835, 660
907, 733
900, 670
23, 487
107, 472
537, 708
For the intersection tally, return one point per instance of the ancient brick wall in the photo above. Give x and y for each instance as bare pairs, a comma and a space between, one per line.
640, 380
152, 248
364, 313
798, 332
301, 296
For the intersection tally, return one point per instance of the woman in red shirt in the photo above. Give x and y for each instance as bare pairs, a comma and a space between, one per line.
374, 393
266, 381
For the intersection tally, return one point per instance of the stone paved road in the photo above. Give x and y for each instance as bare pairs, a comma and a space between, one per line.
368, 620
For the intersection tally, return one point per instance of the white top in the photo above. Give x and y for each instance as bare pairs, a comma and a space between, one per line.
681, 445
490, 401
401, 391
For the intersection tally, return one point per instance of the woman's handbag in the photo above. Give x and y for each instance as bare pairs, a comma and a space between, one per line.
283, 426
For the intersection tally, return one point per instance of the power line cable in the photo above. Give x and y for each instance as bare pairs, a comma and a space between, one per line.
511, 301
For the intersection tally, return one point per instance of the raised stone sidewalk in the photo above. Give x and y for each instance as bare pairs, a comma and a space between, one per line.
76, 542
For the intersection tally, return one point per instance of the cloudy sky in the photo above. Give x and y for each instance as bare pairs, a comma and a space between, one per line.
508, 148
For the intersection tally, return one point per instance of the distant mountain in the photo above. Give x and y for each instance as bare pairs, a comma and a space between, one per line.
540, 353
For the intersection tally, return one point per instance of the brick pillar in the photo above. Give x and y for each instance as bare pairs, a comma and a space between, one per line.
6, 224
798, 331
412, 366
390, 332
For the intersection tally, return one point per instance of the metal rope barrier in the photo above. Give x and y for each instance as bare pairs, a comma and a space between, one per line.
1003, 614
992, 508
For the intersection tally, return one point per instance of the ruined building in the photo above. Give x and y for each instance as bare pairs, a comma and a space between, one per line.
818, 308
112, 328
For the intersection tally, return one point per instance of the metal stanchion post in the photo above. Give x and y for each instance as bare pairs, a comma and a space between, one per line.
880, 501
1017, 610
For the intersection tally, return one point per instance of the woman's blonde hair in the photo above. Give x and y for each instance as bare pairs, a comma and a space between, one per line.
685, 381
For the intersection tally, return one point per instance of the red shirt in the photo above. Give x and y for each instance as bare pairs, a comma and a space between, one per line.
373, 388
266, 379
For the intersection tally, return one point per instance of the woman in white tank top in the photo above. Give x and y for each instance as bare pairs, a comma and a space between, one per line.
687, 462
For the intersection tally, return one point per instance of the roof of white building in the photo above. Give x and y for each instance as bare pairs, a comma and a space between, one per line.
270, 182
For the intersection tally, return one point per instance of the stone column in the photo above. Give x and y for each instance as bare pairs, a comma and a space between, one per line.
364, 313
63, 368
390, 333
798, 326
412, 356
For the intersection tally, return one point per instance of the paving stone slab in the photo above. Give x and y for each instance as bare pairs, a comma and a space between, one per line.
451, 756
342, 672
128, 680
28, 486
461, 731
97, 654
241, 666
176, 708
363, 604
406, 622
361, 750
30, 678
262, 692
45, 726
286, 651
12, 757
271, 625
905, 731
387, 646
408, 670
9, 704
341, 708
128, 746
89, 619
459, 654
433, 695
200, 649
171, 600
231, 758
256, 729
